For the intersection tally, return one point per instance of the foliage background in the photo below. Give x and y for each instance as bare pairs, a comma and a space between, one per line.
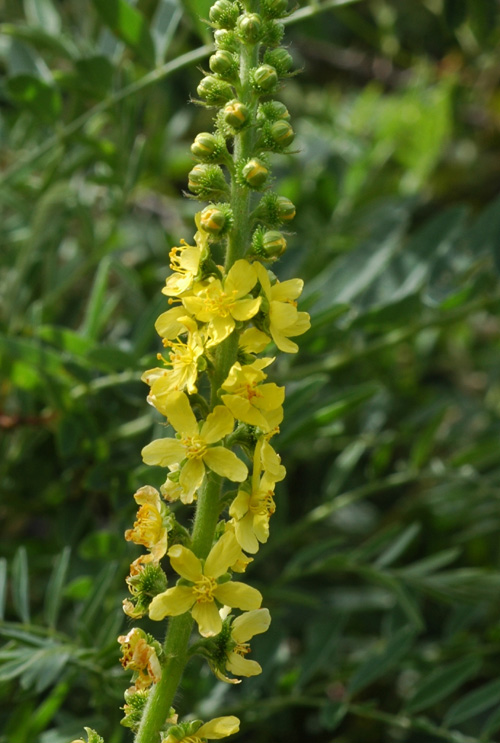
382, 572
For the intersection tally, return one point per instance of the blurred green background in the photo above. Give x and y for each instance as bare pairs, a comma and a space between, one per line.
383, 568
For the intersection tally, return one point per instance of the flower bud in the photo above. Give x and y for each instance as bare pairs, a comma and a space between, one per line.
226, 40
272, 33
224, 13
273, 244
207, 181
212, 219
205, 146
282, 133
214, 91
236, 114
280, 59
264, 78
285, 208
272, 111
255, 173
223, 63
249, 27
274, 8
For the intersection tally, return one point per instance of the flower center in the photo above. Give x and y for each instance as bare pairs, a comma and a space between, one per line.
175, 256
242, 649
149, 525
220, 303
203, 589
262, 503
196, 447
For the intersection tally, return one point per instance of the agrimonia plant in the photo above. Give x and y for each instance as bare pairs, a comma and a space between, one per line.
211, 388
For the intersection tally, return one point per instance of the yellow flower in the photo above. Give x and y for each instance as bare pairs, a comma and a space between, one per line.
140, 657
284, 319
222, 303
200, 597
149, 528
183, 360
185, 261
269, 460
243, 629
195, 445
219, 727
252, 509
249, 400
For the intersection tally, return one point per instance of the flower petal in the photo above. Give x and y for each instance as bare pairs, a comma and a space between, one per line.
240, 279
244, 309
171, 603
185, 562
218, 424
219, 727
263, 277
222, 555
244, 411
219, 329
245, 535
253, 340
191, 476
226, 464
241, 666
179, 413
163, 452
238, 595
249, 624
240, 504
286, 290
207, 616
168, 326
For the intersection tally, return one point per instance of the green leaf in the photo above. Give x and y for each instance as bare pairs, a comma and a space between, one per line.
40, 39
333, 713
55, 586
396, 549
36, 95
441, 682
163, 26
44, 14
3, 586
93, 603
20, 585
95, 73
473, 703
128, 25
491, 725
378, 664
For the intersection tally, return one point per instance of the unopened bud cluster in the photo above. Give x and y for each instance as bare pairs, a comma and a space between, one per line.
245, 110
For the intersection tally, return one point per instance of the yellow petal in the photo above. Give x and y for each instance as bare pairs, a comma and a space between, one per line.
243, 529
219, 727
161, 392
253, 340
244, 411
271, 462
282, 291
163, 452
207, 616
263, 277
249, 624
222, 555
179, 413
226, 464
219, 329
244, 309
242, 666
238, 595
191, 476
270, 396
185, 562
241, 278
282, 342
218, 424
282, 315
240, 504
168, 326
171, 603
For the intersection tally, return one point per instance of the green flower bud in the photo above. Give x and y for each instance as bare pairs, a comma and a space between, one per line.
273, 244
264, 78
214, 91
205, 146
207, 181
274, 8
282, 133
272, 111
249, 27
224, 13
272, 33
212, 219
268, 245
255, 173
285, 209
224, 63
236, 114
280, 59
226, 40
